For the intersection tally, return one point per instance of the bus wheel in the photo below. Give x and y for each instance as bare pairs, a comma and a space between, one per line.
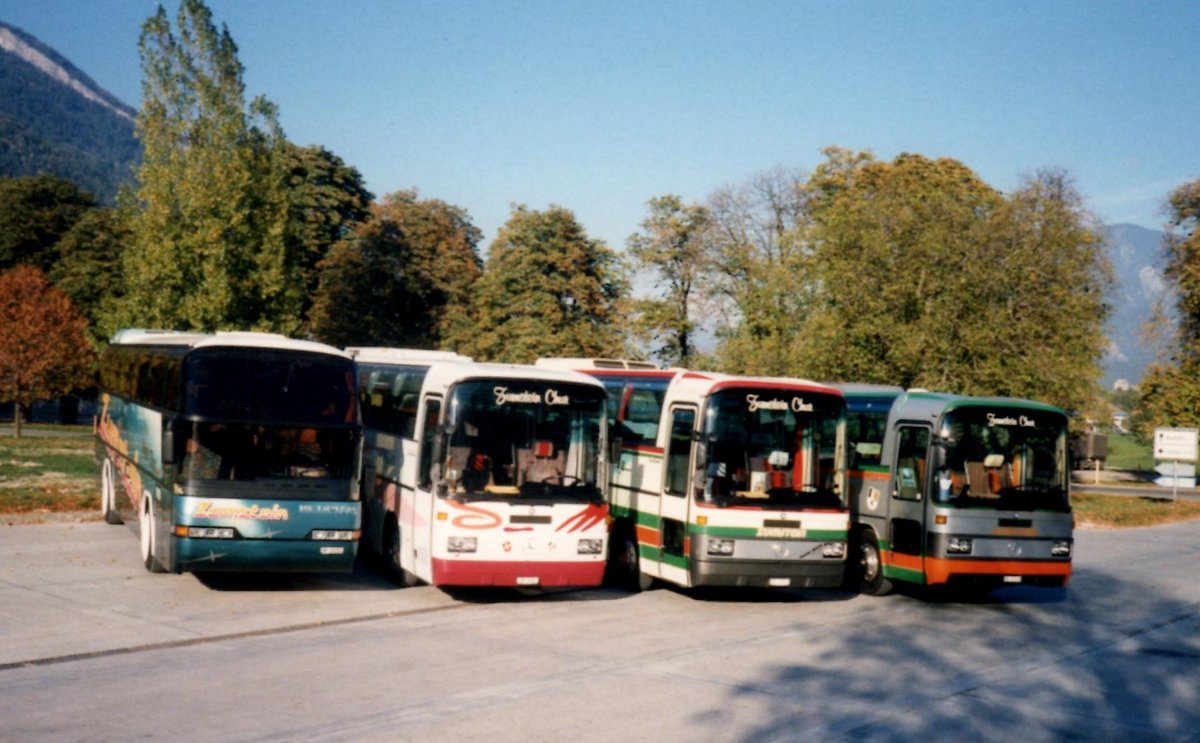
148, 531
870, 566
108, 494
391, 541
625, 564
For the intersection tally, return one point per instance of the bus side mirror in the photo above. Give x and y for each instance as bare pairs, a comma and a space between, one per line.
168, 442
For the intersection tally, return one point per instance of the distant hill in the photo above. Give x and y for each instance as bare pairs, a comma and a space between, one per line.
55, 120
1136, 255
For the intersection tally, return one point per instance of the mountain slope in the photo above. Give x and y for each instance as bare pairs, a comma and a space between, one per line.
1135, 253
54, 119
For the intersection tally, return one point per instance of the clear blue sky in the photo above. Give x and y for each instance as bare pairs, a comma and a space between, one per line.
599, 106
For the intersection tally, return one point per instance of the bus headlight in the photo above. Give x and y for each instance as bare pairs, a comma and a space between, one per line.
1061, 548
334, 535
720, 547
958, 546
461, 544
591, 546
833, 549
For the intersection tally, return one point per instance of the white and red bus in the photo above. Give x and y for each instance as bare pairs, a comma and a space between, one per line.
482, 474
723, 480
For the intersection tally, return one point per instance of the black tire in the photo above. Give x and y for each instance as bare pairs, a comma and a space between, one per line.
869, 562
624, 562
391, 555
148, 536
108, 494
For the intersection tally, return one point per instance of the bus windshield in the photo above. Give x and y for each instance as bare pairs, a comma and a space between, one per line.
267, 386
1011, 459
771, 446
257, 453
524, 438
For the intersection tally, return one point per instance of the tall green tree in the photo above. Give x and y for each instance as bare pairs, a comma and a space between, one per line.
547, 290
89, 266
326, 200
673, 250
209, 215
35, 212
1171, 390
929, 277
760, 282
400, 277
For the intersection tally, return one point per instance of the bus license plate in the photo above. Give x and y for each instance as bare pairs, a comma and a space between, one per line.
524, 580
779, 582
1012, 579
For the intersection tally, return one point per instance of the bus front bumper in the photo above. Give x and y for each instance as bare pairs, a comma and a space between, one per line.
265, 555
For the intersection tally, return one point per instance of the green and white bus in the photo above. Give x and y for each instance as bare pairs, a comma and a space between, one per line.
723, 480
233, 451
947, 489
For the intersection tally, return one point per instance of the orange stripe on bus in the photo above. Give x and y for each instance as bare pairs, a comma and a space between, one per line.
649, 536
907, 562
939, 570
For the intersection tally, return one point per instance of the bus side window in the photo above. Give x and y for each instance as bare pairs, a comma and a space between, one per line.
683, 423
429, 434
911, 451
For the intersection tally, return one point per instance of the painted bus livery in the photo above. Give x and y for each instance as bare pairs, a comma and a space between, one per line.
723, 480
234, 451
947, 489
482, 474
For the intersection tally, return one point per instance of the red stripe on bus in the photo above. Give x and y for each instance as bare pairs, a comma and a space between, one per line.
500, 573
642, 449
757, 384
865, 475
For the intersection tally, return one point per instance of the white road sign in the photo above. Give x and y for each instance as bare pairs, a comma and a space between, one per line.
1175, 482
1176, 469
1175, 444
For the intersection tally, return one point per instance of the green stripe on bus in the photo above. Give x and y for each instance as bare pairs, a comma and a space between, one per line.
738, 532
912, 576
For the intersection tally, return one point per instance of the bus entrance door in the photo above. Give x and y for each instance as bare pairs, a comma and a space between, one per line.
904, 557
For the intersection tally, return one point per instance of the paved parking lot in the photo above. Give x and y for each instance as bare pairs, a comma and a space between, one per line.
94, 648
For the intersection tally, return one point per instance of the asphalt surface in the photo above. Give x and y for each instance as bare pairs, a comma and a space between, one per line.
92, 647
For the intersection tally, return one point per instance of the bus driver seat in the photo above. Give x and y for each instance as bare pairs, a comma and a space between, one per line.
540, 464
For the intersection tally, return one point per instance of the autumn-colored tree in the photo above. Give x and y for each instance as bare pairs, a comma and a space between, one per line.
1171, 390
44, 350
673, 251
400, 277
547, 290
929, 277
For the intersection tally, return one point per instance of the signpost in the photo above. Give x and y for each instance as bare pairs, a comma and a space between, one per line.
1178, 447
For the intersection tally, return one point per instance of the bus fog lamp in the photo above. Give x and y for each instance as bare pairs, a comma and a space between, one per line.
1060, 548
958, 546
591, 546
461, 544
334, 535
833, 549
210, 532
720, 547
